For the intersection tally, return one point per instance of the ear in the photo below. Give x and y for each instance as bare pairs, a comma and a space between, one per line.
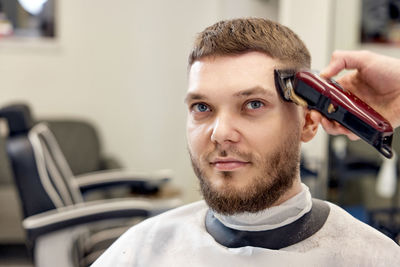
310, 125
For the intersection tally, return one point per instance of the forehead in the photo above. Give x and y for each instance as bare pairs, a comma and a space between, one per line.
233, 74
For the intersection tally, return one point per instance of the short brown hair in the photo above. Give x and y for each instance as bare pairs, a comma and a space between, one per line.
238, 36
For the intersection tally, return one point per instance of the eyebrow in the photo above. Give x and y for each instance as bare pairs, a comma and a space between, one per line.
257, 90
194, 96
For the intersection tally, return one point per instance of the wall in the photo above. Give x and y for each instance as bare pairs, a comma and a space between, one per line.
122, 65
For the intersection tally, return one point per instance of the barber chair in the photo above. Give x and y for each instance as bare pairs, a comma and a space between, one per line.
80, 143
62, 228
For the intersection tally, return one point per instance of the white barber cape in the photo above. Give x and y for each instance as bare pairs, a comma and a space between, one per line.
179, 238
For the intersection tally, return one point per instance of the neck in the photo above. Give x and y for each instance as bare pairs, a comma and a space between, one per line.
293, 190
291, 207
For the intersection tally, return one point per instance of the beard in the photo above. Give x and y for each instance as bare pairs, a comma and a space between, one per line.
277, 172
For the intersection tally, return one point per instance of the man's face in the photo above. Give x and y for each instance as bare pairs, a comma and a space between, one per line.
243, 140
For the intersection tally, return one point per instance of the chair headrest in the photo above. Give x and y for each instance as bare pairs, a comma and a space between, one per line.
19, 118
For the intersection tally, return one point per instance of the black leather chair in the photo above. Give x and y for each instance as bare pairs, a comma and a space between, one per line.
53, 205
81, 144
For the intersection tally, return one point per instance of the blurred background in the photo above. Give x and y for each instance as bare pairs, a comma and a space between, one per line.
121, 66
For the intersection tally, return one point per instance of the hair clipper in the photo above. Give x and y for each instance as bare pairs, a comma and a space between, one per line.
310, 90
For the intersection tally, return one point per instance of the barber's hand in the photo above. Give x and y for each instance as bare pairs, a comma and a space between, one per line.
375, 80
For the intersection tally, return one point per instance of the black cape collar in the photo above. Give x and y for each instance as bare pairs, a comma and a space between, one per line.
277, 238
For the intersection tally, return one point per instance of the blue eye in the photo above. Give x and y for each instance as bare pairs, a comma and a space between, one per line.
255, 104
200, 107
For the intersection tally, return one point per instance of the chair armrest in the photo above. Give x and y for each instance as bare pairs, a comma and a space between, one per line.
94, 211
142, 181
109, 163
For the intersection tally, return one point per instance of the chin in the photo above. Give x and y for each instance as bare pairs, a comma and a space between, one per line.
228, 183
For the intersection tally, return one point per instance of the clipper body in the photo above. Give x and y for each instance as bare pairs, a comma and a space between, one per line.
330, 99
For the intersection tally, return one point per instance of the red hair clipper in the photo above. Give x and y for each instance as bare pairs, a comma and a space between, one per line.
310, 90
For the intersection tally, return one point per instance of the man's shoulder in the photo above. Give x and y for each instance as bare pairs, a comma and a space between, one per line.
343, 220
347, 241
342, 227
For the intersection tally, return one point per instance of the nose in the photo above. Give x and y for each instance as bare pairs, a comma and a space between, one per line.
224, 130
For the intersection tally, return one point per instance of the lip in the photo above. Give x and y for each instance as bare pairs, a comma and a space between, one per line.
228, 164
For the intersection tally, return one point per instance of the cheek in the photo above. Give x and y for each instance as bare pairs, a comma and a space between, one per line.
263, 138
266, 133
197, 137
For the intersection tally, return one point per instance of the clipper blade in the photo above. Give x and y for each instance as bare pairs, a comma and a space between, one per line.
284, 80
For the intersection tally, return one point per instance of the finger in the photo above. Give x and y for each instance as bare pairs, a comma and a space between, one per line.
334, 128
331, 127
335, 66
341, 60
352, 136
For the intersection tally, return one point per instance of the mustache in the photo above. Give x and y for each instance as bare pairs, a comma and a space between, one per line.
229, 152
